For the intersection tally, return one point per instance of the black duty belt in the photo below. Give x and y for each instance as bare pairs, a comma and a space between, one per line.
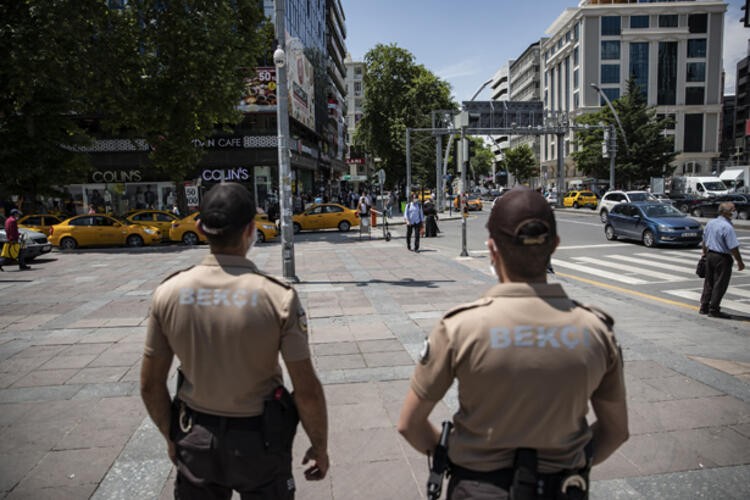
502, 478
720, 253
208, 420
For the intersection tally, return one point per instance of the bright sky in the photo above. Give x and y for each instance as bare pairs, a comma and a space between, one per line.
466, 42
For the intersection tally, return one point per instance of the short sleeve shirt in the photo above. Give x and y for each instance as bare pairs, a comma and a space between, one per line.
719, 235
227, 323
527, 360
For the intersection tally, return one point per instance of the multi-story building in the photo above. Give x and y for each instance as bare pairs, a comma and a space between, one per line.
355, 97
500, 91
336, 128
741, 155
673, 50
525, 82
729, 152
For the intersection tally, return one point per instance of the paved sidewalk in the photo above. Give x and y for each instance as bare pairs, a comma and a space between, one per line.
72, 424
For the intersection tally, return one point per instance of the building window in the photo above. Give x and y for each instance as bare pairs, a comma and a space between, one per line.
358, 70
696, 48
694, 96
698, 23
638, 22
610, 49
575, 79
575, 56
668, 21
639, 65
576, 101
612, 94
666, 85
357, 88
672, 120
575, 32
693, 141
610, 25
610, 73
696, 72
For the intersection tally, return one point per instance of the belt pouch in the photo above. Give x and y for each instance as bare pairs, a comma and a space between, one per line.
524, 484
280, 420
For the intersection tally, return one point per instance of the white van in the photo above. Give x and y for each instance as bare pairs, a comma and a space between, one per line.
702, 186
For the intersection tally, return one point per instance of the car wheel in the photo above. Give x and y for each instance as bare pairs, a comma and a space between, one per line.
684, 208
344, 226
648, 238
297, 228
609, 232
259, 236
697, 212
190, 238
134, 241
68, 243
603, 216
575, 204
744, 215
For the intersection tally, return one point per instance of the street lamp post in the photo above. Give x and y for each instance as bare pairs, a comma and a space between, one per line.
622, 131
285, 171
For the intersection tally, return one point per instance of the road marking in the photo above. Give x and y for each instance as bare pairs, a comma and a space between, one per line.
632, 269
583, 247
597, 224
598, 272
689, 261
635, 260
725, 304
629, 292
739, 291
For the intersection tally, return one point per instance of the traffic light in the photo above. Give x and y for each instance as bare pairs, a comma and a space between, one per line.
746, 15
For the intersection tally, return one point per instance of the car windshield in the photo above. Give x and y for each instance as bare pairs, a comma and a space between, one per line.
587, 193
641, 197
714, 186
662, 211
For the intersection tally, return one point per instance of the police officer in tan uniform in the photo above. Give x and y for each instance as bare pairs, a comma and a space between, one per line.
528, 361
226, 322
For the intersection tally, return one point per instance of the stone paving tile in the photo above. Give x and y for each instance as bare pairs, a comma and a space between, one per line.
616, 466
116, 359
85, 349
15, 465
72, 361
722, 445
648, 369
334, 348
22, 365
71, 468
98, 375
348, 394
46, 377
364, 446
340, 362
46, 393
388, 359
76, 492
366, 415
680, 387
380, 345
661, 453
108, 390
40, 351
8, 379
355, 481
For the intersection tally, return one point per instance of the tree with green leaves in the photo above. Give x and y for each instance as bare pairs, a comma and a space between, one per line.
520, 162
480, 164
169, 72
400, 94
649, 152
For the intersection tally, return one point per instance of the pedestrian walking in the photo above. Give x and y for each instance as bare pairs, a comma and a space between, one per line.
720, 244
528, 360
413, 217
363, 205
13, 248
232, 422
431, 229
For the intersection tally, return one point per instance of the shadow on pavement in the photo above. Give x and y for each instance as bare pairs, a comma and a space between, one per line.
403, 282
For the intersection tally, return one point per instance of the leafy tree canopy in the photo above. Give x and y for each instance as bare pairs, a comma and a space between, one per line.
520, 162
649, 152
400, 94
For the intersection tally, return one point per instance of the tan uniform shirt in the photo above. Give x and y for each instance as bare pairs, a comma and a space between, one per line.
227, 323
527, 360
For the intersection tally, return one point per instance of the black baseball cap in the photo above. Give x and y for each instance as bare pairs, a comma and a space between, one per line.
524, 216
226, 206
15, 211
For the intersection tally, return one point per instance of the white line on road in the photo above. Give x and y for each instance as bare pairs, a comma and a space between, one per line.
725, 304
687, 260
598, 272
660, 265
583, 247
632, 269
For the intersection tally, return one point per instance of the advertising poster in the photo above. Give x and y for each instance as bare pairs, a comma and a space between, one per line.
260, 91
301, 88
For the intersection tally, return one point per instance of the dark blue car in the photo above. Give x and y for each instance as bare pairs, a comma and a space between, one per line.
653, 224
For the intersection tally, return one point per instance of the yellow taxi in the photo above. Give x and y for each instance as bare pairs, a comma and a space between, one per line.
326, 216
578, 199
473, 202
41, 223
101, 230
157, 218
186, 229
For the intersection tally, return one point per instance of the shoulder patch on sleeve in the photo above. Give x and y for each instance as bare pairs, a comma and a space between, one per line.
599, 313
465, 307
176, 273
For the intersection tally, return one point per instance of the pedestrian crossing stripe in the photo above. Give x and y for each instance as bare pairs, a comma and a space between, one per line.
690, 269
632, 269
726, 303
598, 272
673, 259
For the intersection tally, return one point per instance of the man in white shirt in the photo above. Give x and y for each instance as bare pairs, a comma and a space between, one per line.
413, 216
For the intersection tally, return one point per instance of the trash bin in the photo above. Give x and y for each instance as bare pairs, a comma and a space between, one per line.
373, 218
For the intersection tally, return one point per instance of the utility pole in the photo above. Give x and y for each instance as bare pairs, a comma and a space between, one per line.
285, 170
408, 165
463, 161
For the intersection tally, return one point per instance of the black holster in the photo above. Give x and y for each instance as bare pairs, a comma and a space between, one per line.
524, 484
280, 419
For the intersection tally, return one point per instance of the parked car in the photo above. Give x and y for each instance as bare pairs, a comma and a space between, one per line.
685, 202
473, 202
41, 223
663, 198
551, 197
709, 207
34, 242
265, 229
578, 199
157, 218
101, 230
612, 198
326, 216
652, 223
186, 230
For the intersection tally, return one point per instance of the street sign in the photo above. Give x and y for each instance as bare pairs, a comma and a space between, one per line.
381, 176
504, 114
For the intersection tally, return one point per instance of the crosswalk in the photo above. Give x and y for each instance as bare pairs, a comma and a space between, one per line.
663, 267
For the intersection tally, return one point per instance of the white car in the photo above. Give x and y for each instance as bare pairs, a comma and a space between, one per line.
612, 198
35, 244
